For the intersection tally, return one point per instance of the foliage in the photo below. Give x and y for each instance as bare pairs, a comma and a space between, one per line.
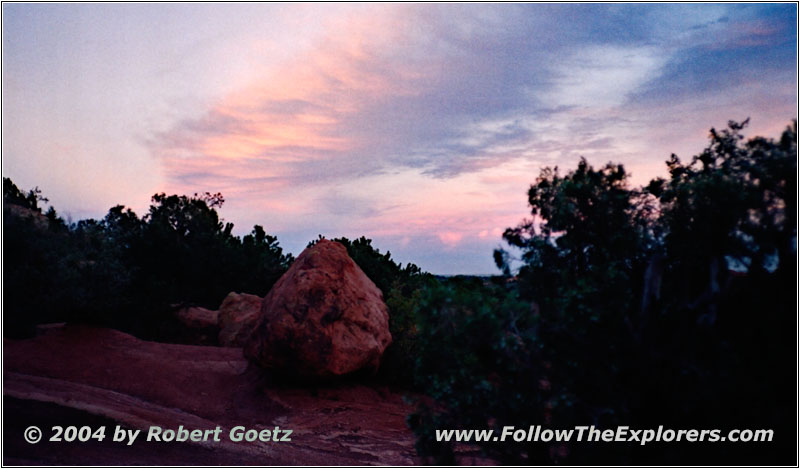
476, 340
125, 271
13, 195
31, 251
668, 305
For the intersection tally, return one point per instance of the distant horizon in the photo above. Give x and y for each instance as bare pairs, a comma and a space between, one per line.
419, 126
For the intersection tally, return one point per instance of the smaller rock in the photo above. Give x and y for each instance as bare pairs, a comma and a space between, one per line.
237, 318
37, 218
198, 318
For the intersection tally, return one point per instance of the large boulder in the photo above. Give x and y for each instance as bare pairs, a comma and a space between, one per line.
238, 314
323, 318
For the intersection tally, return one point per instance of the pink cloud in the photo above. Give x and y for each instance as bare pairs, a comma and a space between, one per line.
385, 128
450, 238
293, 114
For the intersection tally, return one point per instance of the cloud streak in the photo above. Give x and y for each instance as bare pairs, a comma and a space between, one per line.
422, 125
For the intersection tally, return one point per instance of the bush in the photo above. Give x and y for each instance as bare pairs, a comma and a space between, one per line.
476, 366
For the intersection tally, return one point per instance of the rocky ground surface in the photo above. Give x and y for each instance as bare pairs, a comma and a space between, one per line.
92, 376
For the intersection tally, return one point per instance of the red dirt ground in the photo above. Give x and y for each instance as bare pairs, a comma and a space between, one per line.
92, 376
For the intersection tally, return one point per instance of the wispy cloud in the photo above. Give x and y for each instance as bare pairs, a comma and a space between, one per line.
419, 125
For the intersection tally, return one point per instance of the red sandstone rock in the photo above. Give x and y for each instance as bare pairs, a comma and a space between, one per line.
76, 375
237, 318
197, 318
324, 317
37, 218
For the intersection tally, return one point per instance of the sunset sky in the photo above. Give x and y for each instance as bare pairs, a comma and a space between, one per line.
420, 126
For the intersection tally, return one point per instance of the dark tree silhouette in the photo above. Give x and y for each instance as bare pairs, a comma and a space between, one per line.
125, 271
667, 305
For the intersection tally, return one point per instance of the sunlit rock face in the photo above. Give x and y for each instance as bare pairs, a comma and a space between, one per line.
323, 318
